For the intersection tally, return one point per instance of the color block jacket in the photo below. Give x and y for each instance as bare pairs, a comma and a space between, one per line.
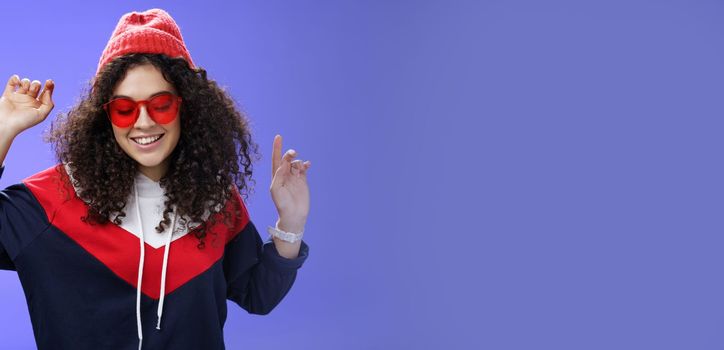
81, 281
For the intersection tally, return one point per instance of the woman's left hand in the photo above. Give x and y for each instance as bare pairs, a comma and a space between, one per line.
289, 189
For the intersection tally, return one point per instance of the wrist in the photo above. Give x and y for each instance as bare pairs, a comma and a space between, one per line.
7, 134
286, 237
291, 225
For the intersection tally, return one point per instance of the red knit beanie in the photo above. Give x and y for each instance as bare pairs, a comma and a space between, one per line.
151, 31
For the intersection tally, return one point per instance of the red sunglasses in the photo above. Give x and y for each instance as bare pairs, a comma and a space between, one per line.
124, 112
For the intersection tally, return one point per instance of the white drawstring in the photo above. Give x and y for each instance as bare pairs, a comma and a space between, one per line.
163, 271
140, 271
159, 312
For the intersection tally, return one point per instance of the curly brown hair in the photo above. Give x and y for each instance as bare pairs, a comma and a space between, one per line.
204, 166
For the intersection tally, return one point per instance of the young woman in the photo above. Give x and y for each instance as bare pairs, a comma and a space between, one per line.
141, 224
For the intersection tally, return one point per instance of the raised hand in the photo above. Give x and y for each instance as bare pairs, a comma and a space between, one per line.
289, 188
26, 107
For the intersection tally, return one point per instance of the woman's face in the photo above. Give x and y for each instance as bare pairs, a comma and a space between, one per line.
141, 83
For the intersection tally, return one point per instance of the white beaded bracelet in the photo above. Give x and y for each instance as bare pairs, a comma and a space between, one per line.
284, 236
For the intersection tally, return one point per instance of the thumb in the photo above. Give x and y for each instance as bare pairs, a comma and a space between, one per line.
12, 83
46, 98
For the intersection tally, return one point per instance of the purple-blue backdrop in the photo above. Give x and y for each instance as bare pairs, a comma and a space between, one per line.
485, 175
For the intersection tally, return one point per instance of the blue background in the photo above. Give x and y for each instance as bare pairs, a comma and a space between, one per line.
485, 174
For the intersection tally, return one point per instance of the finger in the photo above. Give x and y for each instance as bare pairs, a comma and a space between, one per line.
289, 156
34, 88
285, 163
46, 95
304, 167
24, 86
276, 153
296, 167
12, 83
46, 98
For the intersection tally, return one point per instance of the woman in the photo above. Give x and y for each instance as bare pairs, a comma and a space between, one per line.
142, 219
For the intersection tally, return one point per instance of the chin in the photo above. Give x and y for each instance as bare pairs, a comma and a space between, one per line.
149, 158
148, 163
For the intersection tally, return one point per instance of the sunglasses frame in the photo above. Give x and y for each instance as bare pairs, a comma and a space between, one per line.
177, 98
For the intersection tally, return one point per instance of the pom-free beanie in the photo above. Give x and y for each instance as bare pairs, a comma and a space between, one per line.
150, 31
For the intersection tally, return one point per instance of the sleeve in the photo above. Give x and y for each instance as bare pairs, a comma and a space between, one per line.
21, 219
258, 277
5, 262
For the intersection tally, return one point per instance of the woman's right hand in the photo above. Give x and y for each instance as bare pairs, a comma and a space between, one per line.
24, 108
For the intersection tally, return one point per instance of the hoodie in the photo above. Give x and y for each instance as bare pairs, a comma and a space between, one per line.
127, 286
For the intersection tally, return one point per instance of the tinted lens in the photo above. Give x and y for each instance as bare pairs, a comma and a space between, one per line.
163, 108
123, 112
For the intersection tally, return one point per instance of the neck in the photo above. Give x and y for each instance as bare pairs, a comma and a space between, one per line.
154, 173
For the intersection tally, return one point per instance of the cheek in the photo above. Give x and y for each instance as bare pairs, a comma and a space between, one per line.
118, 135
121, 138
174, 131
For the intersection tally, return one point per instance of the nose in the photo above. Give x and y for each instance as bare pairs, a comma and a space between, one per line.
144, 120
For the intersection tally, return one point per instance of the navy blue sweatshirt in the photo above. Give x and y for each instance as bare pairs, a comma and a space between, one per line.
80, 280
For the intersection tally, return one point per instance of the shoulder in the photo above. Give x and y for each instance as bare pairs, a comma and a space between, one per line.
235, 210
50, 179
53, 173
51, 187
28, 207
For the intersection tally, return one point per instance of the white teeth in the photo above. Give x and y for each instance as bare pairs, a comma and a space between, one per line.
147, 140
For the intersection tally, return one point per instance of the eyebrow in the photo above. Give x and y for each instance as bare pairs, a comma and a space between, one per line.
149, 97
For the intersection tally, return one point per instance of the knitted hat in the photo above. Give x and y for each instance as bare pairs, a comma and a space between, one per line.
151, 31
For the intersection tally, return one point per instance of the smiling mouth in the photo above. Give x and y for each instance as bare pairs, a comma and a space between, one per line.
147, 140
